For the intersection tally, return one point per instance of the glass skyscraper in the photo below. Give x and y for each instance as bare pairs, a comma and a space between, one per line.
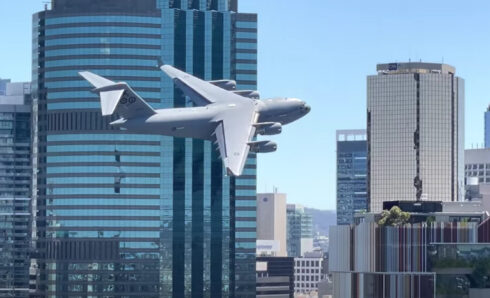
299, 231
351, 175
132, 215
15, 193
415, 128
487, 128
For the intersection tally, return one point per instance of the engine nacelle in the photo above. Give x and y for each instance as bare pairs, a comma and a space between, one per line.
248, 93
269, 128
263, 146
225, 84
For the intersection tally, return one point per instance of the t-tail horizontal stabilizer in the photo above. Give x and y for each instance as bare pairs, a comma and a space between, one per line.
118, 98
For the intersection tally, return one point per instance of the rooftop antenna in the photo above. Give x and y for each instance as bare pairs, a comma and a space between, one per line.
46, 3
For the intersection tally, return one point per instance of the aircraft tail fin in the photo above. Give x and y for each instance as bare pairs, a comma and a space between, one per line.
118, 98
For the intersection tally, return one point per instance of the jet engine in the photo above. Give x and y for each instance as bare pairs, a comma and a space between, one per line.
225, 84
248, 93
263, 146
268, 128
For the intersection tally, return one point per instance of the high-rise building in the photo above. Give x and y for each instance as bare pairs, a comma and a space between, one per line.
129, 215
271, 220
487, 128
299, 231
351, 174
415, 128
15, 193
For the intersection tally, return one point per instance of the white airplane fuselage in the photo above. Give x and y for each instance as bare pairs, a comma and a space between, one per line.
201, 122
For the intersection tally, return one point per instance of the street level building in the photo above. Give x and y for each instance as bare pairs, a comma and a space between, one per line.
299, 231
138, 215
440, 254
271, 220
415, 128
351, 175
15, 191
275, 277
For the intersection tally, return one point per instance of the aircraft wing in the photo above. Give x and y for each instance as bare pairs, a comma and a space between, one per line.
233, 134
200, 92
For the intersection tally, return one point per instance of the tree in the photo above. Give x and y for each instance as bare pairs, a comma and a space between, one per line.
394, 218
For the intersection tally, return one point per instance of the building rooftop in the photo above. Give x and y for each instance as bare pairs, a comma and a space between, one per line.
351, 135
414, 67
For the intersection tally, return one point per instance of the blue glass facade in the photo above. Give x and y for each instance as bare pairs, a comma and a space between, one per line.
15, 194
127, 215
351, 175
487, 128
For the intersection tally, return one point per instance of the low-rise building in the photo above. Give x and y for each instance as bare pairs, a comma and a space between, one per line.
308, 272
438, 254
275, 277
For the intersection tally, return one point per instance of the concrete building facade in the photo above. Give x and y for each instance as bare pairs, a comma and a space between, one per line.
415, 127
308, 272
477, 164
271, 220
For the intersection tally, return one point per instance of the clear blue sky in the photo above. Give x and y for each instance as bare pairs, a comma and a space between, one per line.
321, 51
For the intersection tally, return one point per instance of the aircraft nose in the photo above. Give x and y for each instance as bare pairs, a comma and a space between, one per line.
306, 108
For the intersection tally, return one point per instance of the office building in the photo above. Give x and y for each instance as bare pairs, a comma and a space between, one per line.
3, 86
15, 193
436, 255
132, 215
477, 164
351, 174
487, 128
299, 231
415, 128
308, 272
275, 277
271, 220
320, 243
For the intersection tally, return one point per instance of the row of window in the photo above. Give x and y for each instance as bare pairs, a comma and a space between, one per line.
102, 148
102, 40
105, 51
305, 285
102, 29
307, 278
101, 61
102, 170
477, 166
102, 19
104, 72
